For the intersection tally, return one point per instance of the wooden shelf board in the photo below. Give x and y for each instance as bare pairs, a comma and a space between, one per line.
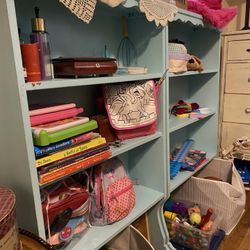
176, 123
183, 176
96, 237
192, 73
69, 82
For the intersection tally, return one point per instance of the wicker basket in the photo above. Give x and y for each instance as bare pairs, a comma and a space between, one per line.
178, 57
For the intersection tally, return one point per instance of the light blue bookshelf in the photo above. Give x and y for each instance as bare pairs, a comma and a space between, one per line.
146, 158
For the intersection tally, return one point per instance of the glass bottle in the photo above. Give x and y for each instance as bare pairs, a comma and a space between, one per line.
40, 36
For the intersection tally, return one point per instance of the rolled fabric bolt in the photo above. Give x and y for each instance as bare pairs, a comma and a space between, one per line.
207, 226
30, 57
204, 110
205, 218
170, 215
187, 224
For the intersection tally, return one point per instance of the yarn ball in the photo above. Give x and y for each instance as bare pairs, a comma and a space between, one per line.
180, 208
195, 219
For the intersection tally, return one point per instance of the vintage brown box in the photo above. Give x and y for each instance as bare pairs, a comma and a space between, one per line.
182, 4
79, 67
8, 226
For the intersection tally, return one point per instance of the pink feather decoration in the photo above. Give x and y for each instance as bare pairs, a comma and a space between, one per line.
212, 11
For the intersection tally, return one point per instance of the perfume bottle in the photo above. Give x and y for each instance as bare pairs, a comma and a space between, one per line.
40, 36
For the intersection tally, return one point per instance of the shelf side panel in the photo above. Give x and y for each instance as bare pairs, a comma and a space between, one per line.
16, 155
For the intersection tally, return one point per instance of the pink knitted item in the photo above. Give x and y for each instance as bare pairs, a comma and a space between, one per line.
212, 4
212, 12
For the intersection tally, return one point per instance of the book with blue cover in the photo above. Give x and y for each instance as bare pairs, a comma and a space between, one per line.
54, 147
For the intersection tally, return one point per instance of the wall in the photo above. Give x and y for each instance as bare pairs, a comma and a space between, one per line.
238, 22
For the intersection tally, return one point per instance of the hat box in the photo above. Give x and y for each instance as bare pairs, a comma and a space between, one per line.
8, 224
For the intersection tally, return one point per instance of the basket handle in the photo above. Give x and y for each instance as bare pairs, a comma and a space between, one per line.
162, 78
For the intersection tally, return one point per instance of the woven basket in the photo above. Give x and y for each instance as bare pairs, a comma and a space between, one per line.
178, 57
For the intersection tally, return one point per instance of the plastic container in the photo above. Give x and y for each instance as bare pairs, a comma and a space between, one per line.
192, 237
230, 198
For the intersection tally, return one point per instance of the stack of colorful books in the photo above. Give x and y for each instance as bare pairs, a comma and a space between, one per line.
63, 142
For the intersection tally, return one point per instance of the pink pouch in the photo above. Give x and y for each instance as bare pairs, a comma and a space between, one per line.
132, 108
120, 199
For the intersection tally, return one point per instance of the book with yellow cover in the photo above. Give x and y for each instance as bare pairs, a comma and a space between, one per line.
69, 152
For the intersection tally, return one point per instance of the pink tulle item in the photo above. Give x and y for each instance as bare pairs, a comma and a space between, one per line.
212, 11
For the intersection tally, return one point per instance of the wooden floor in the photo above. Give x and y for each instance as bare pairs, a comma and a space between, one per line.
239, 239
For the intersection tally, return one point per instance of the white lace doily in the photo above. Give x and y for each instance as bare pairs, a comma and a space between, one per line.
83, 9
112, 3
160, 11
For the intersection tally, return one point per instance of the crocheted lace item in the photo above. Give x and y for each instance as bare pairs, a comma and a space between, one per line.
112, 3
160, 11
83, 9
240, 149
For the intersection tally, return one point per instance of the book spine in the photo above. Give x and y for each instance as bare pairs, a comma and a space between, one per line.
59, 125
75, 158
50, 109
40, 151
69, 152
49, 177
54, 116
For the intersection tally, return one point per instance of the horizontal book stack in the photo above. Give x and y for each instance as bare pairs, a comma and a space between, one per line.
63, 142
192, 160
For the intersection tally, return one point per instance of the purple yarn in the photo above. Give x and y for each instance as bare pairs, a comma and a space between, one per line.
180, 208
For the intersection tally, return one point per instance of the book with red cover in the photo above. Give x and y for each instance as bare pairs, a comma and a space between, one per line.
54, 116
92, 160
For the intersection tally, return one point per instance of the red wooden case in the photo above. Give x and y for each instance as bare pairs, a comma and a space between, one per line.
84, 66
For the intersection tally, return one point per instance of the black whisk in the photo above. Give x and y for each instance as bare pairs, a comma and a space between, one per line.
126, 51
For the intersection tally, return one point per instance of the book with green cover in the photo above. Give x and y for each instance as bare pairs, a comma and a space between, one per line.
44, 138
